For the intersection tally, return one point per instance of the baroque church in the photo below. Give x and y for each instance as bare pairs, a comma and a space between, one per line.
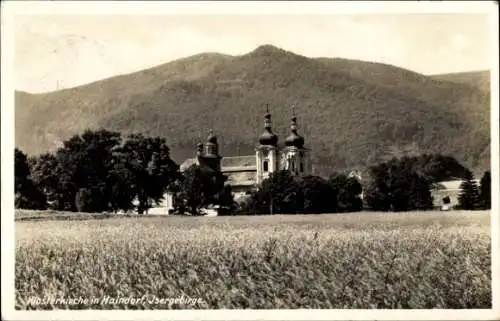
245, 173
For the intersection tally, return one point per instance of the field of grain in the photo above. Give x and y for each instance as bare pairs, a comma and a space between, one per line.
362, 260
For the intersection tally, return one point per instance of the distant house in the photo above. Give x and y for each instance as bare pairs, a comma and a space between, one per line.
446, 194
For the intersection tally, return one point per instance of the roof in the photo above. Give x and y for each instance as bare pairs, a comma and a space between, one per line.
231, 169
452, 185
238, 161
228, 164
241, 178
188, 163
240, 170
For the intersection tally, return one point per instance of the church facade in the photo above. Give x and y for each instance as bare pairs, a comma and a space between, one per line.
245, 173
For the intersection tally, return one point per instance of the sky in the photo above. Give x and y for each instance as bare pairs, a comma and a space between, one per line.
59, 51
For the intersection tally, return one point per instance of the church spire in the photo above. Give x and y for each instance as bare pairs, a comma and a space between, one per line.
268, 137
294, 139
199, 146
211, 136
267, 118
293, 125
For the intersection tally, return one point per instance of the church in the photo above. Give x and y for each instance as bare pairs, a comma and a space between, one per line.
245, 173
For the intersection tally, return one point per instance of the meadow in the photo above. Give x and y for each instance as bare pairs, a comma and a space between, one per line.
360, 260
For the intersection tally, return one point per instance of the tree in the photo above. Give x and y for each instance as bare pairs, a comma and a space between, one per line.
27, 195
151, 168
378, 192
419, 196
252, 205
200, 187
49, 177
84, 162
317, 194
226, 201
120, 180
346, 191
83, 200
279, 193
83, 166
485, 191
397, 186
21, 170
436, 167
284, 193
468, 199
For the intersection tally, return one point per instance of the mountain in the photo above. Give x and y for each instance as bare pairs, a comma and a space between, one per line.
479, 79
352, 113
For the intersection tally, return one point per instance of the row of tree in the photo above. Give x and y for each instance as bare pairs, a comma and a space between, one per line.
97, 171
101, 171
400, 184
284, 193
406, 183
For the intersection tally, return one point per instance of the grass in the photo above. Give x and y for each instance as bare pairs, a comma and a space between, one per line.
362, 260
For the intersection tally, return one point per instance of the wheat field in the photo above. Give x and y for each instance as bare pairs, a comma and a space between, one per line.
362, 260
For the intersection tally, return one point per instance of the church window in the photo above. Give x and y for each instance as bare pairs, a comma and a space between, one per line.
301, 167
266, 166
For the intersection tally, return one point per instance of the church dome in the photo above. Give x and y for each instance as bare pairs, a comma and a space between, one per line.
268, 138
212, 139
294, 139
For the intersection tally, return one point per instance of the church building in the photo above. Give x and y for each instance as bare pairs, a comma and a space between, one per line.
246, 173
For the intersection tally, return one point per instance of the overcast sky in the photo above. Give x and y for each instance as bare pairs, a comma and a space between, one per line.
64, 51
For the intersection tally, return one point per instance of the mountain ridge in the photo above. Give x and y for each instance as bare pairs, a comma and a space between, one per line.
352, 113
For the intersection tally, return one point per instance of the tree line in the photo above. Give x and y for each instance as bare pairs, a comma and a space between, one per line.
104, 171
97, 171
400, 184
405, 183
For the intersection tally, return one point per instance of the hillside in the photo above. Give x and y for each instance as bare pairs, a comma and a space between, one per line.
479, 79
352, 113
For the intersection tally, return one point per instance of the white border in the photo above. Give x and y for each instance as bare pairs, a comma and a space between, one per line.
11, 8
246, 7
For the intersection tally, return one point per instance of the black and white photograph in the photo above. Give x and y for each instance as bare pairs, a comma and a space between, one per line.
224, 160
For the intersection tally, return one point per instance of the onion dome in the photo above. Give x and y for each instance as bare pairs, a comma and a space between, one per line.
211, 146
212, 139
268, 137
294, 139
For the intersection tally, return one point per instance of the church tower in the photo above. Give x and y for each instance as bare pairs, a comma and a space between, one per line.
295, 157
211, 157
267, 151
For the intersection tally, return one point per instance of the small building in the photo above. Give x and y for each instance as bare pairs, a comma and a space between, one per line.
445, 194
